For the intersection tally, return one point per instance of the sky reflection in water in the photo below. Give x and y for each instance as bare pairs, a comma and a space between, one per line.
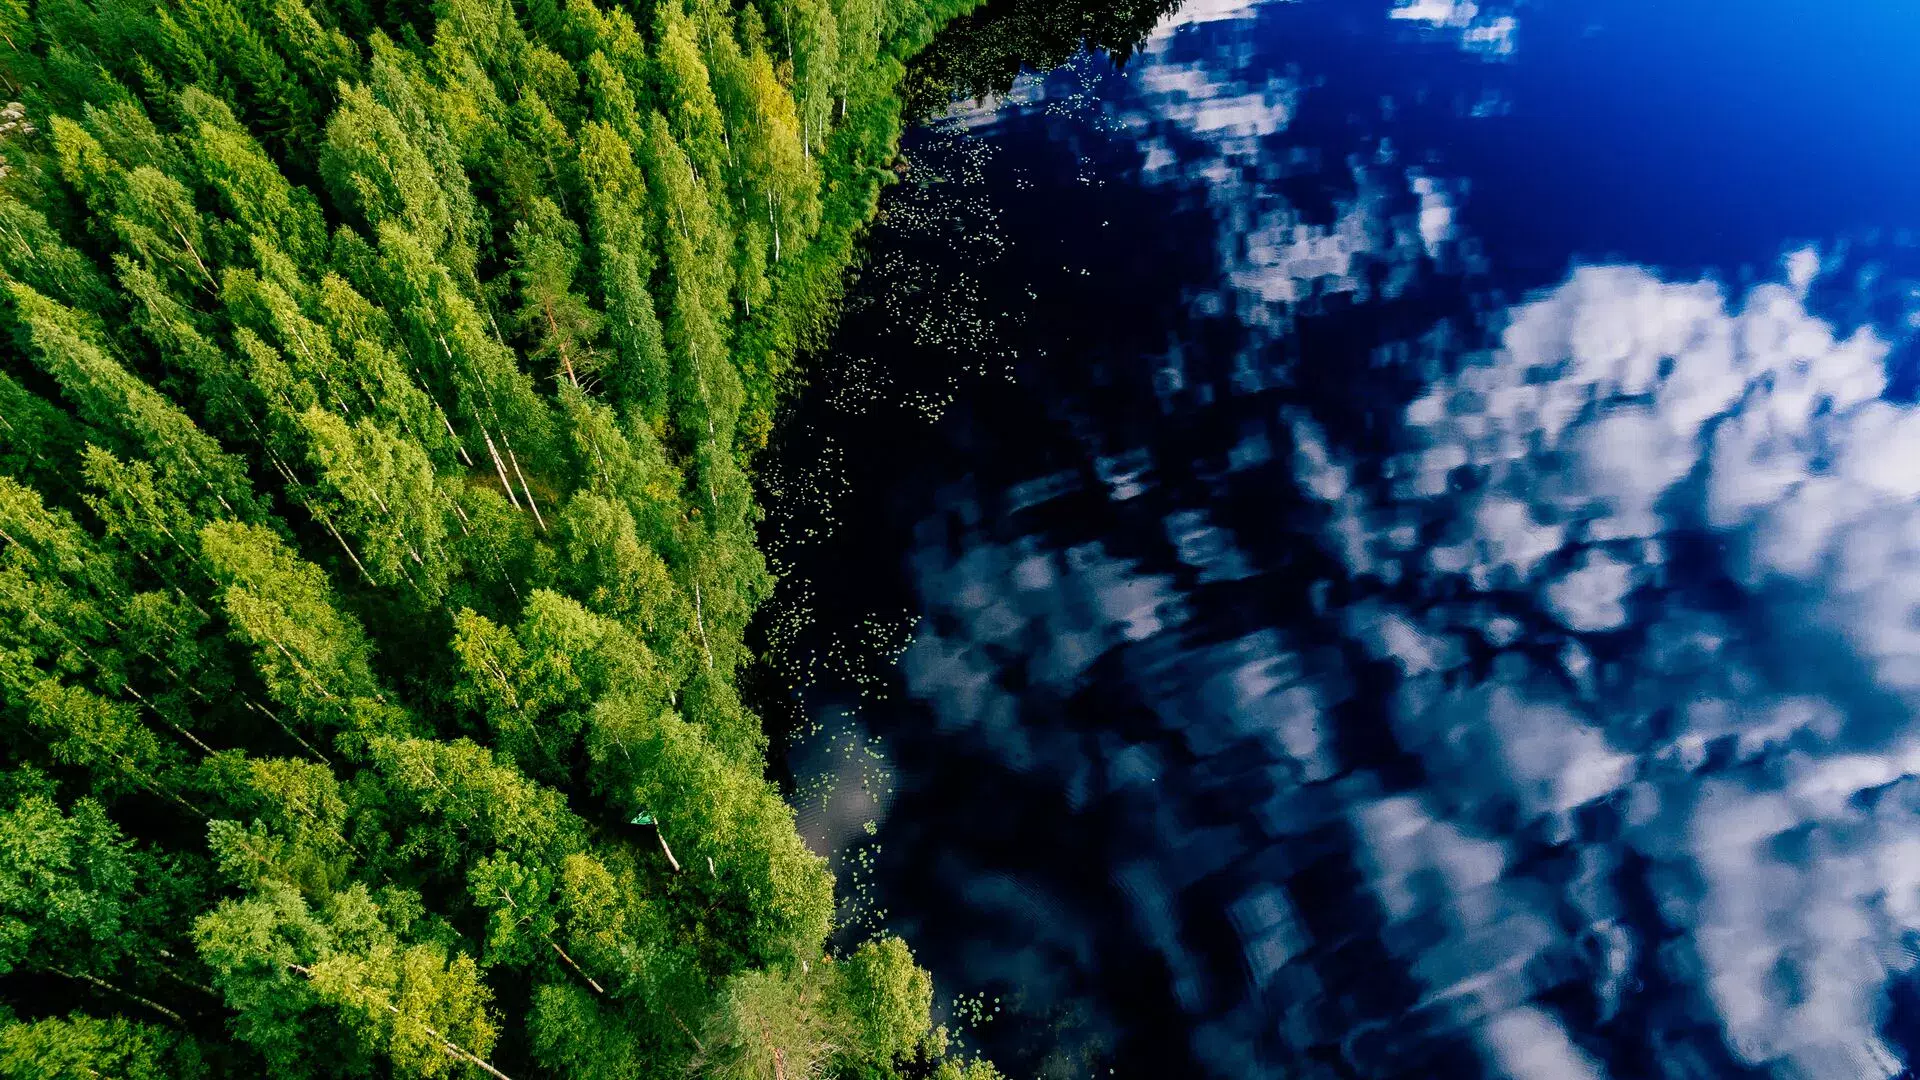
1384, 540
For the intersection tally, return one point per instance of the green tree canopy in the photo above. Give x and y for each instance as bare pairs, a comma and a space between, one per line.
376, 540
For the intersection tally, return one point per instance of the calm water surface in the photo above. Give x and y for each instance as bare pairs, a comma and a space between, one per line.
1382, 539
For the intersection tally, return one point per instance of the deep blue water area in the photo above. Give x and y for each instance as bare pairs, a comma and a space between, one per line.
1382, 539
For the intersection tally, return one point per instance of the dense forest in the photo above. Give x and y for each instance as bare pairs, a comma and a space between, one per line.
376, 542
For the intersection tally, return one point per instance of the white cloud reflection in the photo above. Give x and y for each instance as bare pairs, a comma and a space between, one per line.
1649, 557
1477, 29
1197, 12
1753, 755
1618, 414
1211, 112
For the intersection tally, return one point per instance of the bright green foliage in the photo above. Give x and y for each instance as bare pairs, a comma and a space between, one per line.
773, 1023
616, 192
862, 1015
104, 393
247, 182
375, 169
297, 811
38, 440
65, 884
968, 1070
559, 323
888, 997
35, 253
81, 1046
312, 658
685, 95
376, 539
382, 491
302, 976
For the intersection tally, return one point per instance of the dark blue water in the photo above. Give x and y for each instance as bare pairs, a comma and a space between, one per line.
1383, 540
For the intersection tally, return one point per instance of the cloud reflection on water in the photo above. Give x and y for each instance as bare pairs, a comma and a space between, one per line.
1549, 719
1619, 414
1478, 30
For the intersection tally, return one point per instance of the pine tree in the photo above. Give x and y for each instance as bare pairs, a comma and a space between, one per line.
379, 491
559, 322
249, 185
373, 167
638, 376
312, 658
103, 393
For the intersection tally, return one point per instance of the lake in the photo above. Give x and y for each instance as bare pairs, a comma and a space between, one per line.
1379, 539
